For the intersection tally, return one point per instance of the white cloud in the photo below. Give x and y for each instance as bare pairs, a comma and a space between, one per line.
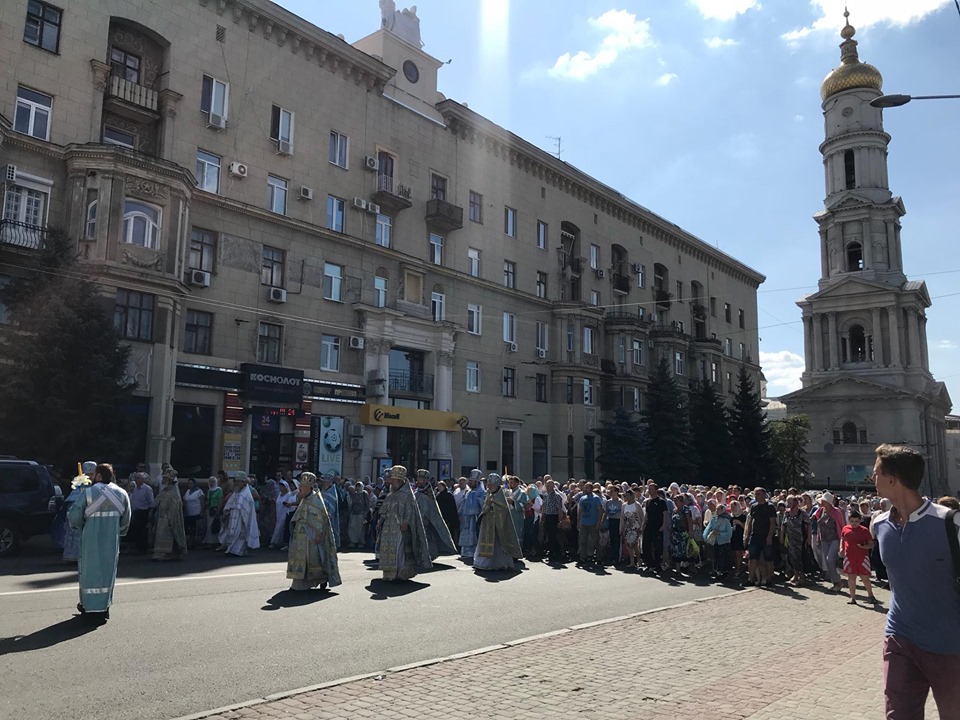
864, 14
724, 9
666, 79
719, 42
946, 345
798, 118
623, 32
782, 370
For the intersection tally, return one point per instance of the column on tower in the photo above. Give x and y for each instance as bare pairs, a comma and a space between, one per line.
817, 341
824, 253
912, 338
877, 339
867, 245
894, 322
833, 340
922, 329
808, 343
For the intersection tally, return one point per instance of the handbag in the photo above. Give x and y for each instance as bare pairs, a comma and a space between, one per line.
693, 550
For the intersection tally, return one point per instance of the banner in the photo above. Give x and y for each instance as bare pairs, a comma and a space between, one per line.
231, 461
330, 445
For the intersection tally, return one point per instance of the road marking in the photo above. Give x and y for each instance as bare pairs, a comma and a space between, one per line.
146, 582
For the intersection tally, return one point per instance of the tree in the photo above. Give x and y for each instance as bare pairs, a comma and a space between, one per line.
621, 438
667, 455
710, 436
64, 396
750, 437
788, 441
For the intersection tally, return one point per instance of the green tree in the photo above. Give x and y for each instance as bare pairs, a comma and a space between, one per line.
621, 438
750, 436
788, 447
667, 455
710, 436
64, 396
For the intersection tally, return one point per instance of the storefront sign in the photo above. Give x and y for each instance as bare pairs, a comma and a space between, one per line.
390, 416
858, 474
230, 458
276, 384
330, 445
333, 391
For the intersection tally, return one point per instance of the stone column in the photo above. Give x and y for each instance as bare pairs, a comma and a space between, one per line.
894, 321
101, 75
922, 339
867, 246
834, 341
376, 360
912, 339
824, 253
441, 440
877, 339
169, 100
817, 341
808, 342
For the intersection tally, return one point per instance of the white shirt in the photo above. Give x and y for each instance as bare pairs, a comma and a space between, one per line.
191, 502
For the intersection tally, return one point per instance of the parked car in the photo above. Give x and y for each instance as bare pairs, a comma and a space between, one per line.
29, 500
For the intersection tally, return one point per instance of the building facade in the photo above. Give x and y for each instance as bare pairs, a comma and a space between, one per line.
867, 379
319, 261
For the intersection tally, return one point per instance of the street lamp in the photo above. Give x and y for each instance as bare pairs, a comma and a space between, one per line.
889, 101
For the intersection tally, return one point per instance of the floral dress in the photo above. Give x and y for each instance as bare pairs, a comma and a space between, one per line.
679, 537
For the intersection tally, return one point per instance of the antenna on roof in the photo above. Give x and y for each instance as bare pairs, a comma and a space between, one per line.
557, 141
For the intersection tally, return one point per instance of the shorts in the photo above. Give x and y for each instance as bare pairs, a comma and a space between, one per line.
757, 550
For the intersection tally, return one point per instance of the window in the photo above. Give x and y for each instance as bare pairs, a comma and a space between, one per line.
33, 113
141, 224
332, 282
436, 249
476, 207
849, 433
849, 170
43, 26
678, 364
338, 152
587, 391
27, 206
510, 221
330, 353
473, 260
569, 391
728, 347
726, 312
214, 97
594, 256
437, 304
637, 407
541, 284
438, 187
384, 230
510, 274
542, 336
729, 382
203, 250
595, 298
198, 332
474, 319
509, 387
269, 340
133, 315
336, 209
125, 65
714, 372
570, 337
473, 376
740, 318
743, 352
679, 290
621, 350
509, 327
281, 127
854, 257
379, 291
208, 171
541, 393
271, 272
636, 348
276, 195
4, 310
713, 307
90, 223
541, 235
641, 275
588, 334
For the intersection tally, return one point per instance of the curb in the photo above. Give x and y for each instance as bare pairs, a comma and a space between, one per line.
456, 656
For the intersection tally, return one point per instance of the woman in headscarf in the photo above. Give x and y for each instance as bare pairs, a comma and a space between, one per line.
170, 541
497, 546
214, 502
679, 532
282, 510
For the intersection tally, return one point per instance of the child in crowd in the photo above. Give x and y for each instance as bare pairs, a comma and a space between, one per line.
856, 542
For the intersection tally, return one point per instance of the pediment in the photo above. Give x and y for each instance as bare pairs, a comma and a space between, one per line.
847, 386
850, 286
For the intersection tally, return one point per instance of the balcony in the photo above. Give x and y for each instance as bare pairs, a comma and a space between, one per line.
576, 265
608, 367
621, 283
22, 235
670, 330
698, 311
623, 317
662, 298
709, 343
392, 195
444, 216
411, 383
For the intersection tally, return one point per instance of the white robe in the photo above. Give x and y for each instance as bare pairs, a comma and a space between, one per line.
240, 531
282, 513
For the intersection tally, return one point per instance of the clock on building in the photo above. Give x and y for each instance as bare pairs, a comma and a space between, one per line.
410, 71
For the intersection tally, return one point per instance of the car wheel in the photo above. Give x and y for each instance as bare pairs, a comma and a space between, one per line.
9, 539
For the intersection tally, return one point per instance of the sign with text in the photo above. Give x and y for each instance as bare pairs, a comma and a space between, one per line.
276, 384
329, 438
231, 461
391, 416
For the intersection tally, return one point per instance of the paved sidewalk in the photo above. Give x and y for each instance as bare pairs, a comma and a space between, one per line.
760, 654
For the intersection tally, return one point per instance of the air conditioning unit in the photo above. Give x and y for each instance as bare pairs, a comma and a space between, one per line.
599, 273
356, 443
10, 173
512, 346
356, 430
371, 163
306, 193
356, 342
238, 169
359, 203
199, 278
373, 208
541, 353
277, 295
284, 147
217, 122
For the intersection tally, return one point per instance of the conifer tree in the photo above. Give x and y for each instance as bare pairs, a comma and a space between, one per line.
710, 436
621, 438
668, 455
750, 436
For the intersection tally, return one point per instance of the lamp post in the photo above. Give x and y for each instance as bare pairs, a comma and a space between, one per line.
889, 101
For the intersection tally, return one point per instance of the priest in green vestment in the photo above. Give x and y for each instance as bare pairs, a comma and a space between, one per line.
498, 545
403, 549
312, 559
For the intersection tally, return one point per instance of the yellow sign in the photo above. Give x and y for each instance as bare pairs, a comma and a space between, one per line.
231, 459
390, 416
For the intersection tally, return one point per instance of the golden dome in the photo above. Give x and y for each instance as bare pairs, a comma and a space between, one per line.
851, 73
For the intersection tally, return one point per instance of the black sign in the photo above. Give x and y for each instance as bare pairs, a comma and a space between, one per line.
275, 384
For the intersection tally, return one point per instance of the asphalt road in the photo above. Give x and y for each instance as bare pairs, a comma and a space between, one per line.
211, 630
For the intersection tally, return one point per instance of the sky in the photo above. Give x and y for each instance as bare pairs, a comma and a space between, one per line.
708, 113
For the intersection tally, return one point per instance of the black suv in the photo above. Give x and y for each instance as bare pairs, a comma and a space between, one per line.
29, 500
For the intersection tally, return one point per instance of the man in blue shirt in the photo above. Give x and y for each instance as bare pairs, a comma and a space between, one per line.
588, 522
921, 651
